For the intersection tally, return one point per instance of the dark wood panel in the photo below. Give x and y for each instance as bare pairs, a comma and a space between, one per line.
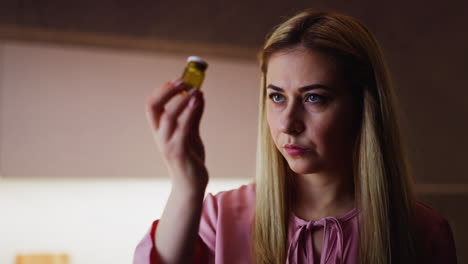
109, 41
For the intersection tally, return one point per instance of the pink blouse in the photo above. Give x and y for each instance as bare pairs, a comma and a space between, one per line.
225, 234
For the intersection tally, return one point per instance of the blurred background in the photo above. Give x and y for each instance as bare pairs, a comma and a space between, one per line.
80, 173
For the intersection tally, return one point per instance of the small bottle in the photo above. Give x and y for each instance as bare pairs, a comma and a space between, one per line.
194, 72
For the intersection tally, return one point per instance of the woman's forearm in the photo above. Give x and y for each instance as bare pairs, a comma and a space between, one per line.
177, 230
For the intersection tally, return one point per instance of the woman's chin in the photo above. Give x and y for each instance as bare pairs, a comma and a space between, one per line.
303, 167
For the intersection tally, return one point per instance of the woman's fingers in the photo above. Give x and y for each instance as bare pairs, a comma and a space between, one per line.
194, 120
189, 119
157, 101
169, 119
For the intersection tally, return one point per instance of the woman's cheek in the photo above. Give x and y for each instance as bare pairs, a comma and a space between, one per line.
337, 133
322, 130
319, 135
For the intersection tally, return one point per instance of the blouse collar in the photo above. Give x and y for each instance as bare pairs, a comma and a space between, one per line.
300, 249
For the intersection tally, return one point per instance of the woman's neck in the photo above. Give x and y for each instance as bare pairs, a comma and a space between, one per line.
322, 194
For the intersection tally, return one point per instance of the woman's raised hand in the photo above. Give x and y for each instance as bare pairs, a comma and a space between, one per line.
174, 117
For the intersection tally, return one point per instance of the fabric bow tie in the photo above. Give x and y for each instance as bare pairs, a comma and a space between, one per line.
300, 250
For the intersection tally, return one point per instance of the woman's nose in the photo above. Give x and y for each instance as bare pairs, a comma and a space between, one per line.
291, 121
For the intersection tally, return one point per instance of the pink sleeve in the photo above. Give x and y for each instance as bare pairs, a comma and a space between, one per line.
442, 246
145, 252
208, 222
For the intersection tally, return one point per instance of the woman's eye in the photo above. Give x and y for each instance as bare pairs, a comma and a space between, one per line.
276, 98
315, 98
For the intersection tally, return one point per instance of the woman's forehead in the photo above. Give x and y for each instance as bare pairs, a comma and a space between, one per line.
300, 67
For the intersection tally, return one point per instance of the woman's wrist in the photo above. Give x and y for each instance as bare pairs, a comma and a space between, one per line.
189, 190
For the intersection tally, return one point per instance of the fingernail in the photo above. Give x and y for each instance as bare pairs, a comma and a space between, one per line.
177, 82
193, 101
192, 91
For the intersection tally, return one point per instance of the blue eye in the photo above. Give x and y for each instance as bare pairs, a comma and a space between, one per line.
315, 98
276, 98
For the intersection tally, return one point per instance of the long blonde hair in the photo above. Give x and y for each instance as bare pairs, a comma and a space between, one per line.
383, 188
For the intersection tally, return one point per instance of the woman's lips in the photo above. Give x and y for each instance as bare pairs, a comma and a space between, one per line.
295, 150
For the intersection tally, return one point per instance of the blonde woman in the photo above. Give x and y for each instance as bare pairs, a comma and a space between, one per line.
332, 183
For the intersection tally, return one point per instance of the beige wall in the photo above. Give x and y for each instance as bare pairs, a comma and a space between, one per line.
76, 112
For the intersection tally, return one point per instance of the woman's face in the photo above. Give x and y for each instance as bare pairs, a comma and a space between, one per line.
309, 111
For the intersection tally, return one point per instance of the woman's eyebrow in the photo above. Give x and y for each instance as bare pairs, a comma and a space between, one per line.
302, 89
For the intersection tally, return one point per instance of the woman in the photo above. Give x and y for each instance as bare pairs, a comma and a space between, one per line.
332, 184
